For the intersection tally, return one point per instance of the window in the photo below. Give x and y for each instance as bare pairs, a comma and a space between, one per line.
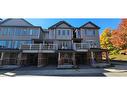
13, 44
35, 32
94, 32
16, 44
64, 45
24, 32
68, 32
90, 32
2, 43
63, 32
7, 44
31, 32
85, 32
59, 32
16, 33
5, 31
79, 34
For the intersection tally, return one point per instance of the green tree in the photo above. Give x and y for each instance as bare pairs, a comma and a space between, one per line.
105, 41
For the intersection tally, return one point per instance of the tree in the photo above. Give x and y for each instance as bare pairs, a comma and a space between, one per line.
119, 36
105, 39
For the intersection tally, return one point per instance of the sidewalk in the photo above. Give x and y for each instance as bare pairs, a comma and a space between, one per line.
8, 67
57, 72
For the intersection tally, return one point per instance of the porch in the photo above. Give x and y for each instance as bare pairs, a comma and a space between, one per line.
99, 57
37, 59
8, 56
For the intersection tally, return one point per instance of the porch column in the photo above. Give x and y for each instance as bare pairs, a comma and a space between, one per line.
73, 58
19, 59
42, 60
88, 58
1, 59
92, 58
23, 59
100, 57
107, 57
59, 59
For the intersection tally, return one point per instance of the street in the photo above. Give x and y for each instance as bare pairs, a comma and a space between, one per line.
117, 70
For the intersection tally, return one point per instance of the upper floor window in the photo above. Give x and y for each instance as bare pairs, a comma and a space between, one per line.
14, 31
59, 32
31, 32
63, 32
85, 32
94, 32
90, 32
68, 32
79, 34
35, 32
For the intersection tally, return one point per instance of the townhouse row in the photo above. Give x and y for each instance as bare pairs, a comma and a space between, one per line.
62, 44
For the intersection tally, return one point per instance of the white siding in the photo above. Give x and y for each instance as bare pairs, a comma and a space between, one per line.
89, 25
63, 26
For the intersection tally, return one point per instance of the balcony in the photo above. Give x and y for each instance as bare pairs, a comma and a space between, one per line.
35, 48
81, 46
47, 48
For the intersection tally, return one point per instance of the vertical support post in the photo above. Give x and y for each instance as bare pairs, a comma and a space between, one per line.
107, 57
19, 62
59, 59
87, 55
100, 57
1, 59
24, 59
39, 60
73, 58
92, 58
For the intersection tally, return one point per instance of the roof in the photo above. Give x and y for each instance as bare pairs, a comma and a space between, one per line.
89, 25
59, 23
15, 22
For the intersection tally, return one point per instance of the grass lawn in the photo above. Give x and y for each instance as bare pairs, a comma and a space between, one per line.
118, 57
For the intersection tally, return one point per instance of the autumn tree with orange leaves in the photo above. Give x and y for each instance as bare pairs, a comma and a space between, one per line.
119, 36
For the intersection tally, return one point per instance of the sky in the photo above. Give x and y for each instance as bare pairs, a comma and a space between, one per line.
76, 22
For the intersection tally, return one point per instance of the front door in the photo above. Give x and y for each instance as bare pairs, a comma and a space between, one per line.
81, 59
32, 59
